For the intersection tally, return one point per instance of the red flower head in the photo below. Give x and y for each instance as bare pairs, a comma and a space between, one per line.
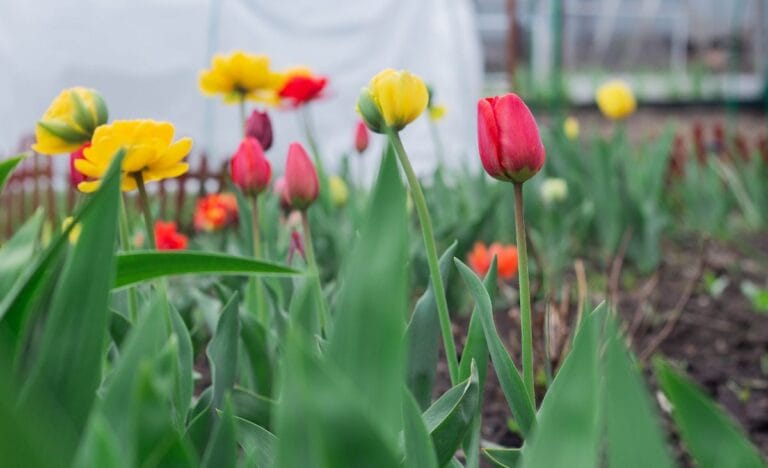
506, 259
259, 126
301, 184
168, 238
508, 138
215, 211
302, 86
361, 137
250, 169
75, 177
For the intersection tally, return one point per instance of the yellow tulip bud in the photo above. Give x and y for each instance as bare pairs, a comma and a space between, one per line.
69, 121
615, 100
436, 112
554, 190
339, 191
393, 99
571, 128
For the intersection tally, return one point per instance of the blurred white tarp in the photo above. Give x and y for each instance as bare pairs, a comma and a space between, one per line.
144, 56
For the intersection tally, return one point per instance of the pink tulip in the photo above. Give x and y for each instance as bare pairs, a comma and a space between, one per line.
251, 171
508, 139
301, 184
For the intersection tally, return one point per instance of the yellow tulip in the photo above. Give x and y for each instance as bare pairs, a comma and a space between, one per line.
436, 112
69, 121
615, 100
393, 99
240, 75
149, 151
339, 191
571, 128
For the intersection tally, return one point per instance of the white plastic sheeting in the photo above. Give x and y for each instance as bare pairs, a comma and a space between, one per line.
145, 55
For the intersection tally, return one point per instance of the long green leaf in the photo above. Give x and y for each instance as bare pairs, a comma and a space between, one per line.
16, 254
6, 168
568, 429
641, 443
419, 451
135, 267
257, 442
222, 447
223, 351
69, 360
183, 384
712, 437
370, 313
449, 418
508, 375
476, 350
503, 457
422, 339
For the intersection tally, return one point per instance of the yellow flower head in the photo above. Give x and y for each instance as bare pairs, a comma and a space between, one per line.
393, 99
69, 121
554, 190
149, 151
615, 100
571, 128
436, 112
241, 75
339, 191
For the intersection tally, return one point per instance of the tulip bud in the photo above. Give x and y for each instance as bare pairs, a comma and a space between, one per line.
75, 177
361, 137
571, 128
259, 126
69, 121
508, 139
251, 171
615, 100
369, 111
393, 99
301, 183
339, 191
554, 190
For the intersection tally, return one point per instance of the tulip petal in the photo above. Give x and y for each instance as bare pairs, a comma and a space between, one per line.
488, 138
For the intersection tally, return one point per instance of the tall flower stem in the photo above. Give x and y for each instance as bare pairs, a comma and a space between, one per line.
255, 226
526, 330
145, 208
429, 243
309, 249
125, 244
242, 113
309, 133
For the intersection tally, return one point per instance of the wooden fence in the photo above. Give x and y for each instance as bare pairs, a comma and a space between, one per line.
38, 182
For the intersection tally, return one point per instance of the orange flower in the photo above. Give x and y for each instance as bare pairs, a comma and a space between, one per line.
506, 258
168, 238
215, 211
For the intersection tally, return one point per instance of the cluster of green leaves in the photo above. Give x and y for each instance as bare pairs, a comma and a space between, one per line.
86, 384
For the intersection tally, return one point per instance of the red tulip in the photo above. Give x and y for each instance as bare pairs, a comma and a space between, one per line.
301, 184
508, 138
361, 137
259, 126
215, 211
301, 88
250, 169
75, 177
168, 238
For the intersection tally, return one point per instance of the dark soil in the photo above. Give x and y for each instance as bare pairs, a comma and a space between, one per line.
720, 341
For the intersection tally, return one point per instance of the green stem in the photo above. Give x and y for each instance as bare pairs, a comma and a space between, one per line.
438, 142
429, 243
125, 243
312, 264
145, 208
256, 232
526, 331
243, 119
